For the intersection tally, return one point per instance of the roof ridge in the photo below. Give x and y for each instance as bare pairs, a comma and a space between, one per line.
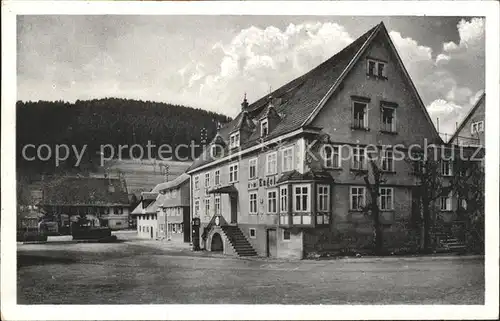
469, 114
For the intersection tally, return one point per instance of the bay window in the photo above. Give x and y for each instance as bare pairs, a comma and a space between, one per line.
301, 195
283, 199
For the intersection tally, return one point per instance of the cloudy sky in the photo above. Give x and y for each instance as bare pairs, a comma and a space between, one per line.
210, 61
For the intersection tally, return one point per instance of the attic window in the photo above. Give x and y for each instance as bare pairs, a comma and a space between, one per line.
264, 128
376, 68
234, 140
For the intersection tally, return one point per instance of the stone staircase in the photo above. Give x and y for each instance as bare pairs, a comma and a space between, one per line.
448, 243
238, 241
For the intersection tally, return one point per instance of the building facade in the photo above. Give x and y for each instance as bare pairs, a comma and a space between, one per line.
286, 178
472, 128
104, 201
163, 213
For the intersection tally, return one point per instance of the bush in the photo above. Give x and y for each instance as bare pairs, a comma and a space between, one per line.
33, 236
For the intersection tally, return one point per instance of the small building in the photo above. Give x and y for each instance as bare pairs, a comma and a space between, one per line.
472, 128
104, 201
163, 213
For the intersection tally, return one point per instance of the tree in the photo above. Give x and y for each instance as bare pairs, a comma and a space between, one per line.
429, 187
373, 180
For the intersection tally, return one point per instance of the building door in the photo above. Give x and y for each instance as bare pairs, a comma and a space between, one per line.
272, 250
151, 232
234, 209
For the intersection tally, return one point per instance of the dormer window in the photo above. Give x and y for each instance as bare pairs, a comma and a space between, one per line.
264, 128
234, 140
376, 68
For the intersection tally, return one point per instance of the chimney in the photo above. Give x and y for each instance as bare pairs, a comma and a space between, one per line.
244, 104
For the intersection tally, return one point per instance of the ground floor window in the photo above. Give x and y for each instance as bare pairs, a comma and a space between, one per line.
386, 198
357, 199
253, 233
445, 203
286, 235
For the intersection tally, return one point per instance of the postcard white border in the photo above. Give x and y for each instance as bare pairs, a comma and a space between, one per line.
11, 311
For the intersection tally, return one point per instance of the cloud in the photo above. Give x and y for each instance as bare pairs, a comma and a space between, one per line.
258, 59
452, 80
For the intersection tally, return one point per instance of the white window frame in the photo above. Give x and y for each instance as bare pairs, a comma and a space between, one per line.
477, 127
196, 183
384, 195
377, 62
234, 140
233, 172
446, 170
207, 207
252, 198
387, 162
196, 208
365, 118
274, 199
283, 199
217, 204
207, 179
323, 197
283, 236
393, 125
327, 160
268, 162
254, 233
308, 195
253, 162
217, 177
290, 157
446, 201
351, 194
264, 124
359, 152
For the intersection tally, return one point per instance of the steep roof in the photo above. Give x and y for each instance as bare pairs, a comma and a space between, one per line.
469, 115
84, 191
302, 98
178, 181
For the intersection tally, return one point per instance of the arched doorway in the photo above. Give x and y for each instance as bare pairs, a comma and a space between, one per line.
217, 245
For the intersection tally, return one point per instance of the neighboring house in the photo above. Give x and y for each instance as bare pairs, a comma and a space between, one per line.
104, 201
256, 188
163, 213
472, 129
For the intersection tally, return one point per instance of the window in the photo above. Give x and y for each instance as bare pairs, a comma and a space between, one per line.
477, 127
118, 223
234, 140
207, 207
252, 233
446, 168
196, 208
445, 203
388, 119
463, 203
253, 203
216, 150
323, 198
283, 199
252, 171
286, 235
197, 182
272, 163
357, 198
264, 128
272, 200
331, 156
360, 117
217, 177
386, 199
358, 158
287, 159
376, 68
301, 198
387, 160
217, 205
174, 228
233, 173
207, 180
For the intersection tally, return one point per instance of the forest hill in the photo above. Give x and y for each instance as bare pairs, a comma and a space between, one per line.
109, 121
60, 153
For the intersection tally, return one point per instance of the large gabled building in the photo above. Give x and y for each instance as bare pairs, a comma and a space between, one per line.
260, 188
